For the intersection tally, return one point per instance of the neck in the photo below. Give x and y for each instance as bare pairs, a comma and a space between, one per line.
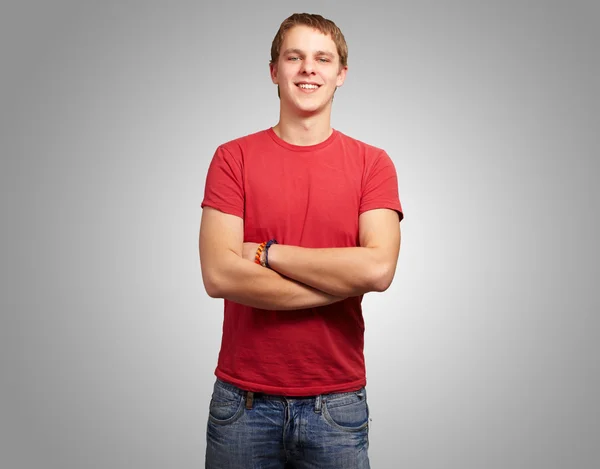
303, 130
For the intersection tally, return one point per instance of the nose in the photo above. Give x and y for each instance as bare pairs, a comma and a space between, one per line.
308, 66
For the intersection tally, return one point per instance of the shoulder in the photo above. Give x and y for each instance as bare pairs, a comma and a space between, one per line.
369, 152
240, 145
355, 141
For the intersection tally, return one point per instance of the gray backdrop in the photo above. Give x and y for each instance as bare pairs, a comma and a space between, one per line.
483, 353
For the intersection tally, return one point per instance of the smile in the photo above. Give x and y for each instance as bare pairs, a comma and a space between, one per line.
308, 87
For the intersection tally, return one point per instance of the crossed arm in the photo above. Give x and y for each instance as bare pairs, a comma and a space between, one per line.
300, 277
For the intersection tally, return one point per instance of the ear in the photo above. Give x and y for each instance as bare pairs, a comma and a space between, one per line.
273, 72
341, 76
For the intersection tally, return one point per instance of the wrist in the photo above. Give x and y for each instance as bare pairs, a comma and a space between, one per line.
269, 253
259, 256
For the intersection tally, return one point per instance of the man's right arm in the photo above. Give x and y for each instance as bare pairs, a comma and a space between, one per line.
226, 274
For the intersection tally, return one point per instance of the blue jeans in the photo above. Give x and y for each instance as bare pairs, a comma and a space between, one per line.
252, 431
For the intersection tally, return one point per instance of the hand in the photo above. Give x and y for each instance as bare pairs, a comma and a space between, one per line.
249, 251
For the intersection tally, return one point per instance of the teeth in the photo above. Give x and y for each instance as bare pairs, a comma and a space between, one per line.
308, 87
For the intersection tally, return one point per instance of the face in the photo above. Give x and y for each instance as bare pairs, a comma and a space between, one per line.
308, 71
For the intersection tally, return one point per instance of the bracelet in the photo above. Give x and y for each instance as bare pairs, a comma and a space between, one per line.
267, 246
258, 254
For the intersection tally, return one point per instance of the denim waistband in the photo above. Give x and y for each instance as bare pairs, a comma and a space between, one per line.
241, 392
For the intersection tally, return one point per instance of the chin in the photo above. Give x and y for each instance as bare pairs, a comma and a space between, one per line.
309, 108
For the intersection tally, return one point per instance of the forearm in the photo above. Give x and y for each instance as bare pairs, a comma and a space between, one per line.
347, 272
247, 283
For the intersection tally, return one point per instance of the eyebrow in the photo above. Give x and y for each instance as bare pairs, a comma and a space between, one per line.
298, 51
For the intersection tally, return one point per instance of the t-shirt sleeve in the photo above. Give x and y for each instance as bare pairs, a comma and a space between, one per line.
380, 187
224, 188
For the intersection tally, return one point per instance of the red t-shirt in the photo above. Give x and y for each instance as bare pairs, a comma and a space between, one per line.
308, 196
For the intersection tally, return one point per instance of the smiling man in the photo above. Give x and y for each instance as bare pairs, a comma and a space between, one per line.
299, 222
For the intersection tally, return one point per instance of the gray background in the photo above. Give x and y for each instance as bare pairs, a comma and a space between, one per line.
483, 353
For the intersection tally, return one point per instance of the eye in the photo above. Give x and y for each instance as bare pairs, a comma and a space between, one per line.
323, 59
293, 58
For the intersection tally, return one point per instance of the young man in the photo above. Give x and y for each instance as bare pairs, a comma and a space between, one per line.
290, 388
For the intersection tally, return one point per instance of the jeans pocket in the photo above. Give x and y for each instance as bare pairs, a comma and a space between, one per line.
348, 411
226, 406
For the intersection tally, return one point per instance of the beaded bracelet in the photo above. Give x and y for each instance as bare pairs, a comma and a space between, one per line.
258, 254
268, 245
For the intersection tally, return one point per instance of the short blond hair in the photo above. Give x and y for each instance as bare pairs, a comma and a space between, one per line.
317, 22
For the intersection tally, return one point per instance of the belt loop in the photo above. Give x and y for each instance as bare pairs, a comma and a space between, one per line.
318, 402
249, 400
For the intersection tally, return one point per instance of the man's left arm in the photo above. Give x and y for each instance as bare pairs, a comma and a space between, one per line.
344, 272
